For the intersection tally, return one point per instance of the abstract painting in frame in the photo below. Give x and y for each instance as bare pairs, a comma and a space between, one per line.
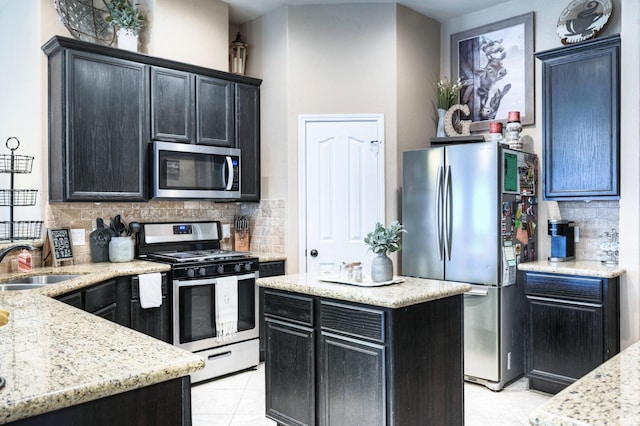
495, 64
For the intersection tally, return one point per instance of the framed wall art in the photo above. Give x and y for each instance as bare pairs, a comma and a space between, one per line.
495, 64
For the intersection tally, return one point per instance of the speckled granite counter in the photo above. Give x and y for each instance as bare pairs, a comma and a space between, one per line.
54, 356
608, 395
574, 267
411, 292
270, 257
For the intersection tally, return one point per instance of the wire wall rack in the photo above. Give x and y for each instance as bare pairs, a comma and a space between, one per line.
13, 164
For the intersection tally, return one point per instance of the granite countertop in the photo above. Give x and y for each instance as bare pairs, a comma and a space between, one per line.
90, 273
53, 355
410, 292
590, 268
607, 395
269, 257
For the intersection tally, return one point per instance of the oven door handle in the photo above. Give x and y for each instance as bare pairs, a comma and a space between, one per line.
208, 281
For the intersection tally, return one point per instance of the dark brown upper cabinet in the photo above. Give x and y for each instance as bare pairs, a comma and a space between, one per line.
98, 127
107, 104
191, 108
581, 120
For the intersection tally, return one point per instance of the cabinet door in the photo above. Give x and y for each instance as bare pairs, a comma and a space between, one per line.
108, 312
290, 373
564, 341
581, 121
155, 322
105, 152
214, 111
248, 139
171, 105
352, 382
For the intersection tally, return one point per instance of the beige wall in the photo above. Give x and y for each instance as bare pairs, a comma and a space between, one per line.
340, 59
191, 31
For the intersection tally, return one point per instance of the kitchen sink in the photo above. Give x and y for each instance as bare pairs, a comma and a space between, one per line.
34, 281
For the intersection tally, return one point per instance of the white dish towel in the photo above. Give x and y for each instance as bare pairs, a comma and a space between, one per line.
150, 290
226, 308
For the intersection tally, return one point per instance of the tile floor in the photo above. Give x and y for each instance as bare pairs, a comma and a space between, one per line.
238, 400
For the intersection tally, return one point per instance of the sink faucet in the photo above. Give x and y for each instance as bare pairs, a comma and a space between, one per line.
5, 251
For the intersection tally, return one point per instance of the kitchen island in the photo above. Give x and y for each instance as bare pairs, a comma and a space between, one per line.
608, 395
341, 354
66, 366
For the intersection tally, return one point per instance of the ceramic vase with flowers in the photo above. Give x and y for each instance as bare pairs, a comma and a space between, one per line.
383, 241
447, 95
128, 21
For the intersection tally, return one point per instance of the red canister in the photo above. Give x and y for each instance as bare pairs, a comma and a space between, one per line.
495, 127
514, 116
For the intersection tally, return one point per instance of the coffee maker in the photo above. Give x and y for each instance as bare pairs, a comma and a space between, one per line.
562, 240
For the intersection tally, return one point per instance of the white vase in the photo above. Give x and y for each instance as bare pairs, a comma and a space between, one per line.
440, 130
381, 268
127, 39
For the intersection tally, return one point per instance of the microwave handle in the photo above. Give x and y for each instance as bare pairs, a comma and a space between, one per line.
229, 173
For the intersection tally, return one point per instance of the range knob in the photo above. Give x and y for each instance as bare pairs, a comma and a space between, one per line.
247, 266
202, 272
237, 267
191, 272
220, 269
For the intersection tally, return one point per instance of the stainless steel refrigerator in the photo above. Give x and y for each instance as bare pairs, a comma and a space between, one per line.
470, 215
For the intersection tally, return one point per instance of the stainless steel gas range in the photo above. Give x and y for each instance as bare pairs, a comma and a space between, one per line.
214, 297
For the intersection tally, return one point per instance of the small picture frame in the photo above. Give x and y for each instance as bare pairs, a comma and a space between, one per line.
58, 245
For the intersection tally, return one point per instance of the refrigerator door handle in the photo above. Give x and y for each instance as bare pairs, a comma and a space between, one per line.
447, 214
439, 212
477, 292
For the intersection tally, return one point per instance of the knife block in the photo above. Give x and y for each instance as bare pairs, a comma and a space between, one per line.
241, 241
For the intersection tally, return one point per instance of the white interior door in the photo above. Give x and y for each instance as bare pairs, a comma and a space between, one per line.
342, 189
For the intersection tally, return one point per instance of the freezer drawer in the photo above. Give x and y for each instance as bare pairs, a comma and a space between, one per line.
482, 333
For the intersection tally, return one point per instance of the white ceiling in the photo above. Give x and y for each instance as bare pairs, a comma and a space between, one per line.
241, 11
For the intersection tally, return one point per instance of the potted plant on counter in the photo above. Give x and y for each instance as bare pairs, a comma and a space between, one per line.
127, 19
383, 241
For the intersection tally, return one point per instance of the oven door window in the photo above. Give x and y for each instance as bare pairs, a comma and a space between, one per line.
193, 171
197, 307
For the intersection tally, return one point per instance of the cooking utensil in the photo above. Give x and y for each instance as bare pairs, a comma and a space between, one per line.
134, 228
118, 226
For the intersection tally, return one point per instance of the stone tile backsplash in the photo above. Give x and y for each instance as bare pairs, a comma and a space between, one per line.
266, 219
594, 219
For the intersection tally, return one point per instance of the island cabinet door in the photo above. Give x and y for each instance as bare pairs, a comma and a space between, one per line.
351, 367
352, 382
290, 373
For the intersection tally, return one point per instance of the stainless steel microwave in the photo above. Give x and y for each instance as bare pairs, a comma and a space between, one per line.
187, 171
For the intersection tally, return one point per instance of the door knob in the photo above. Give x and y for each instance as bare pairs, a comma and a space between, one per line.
313, 253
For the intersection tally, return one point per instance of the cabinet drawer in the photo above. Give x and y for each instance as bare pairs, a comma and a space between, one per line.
290, 307
586, 289
100, 296
352, 320
73, 299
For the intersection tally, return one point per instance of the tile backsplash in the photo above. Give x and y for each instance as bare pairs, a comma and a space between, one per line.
266, 219
594, 218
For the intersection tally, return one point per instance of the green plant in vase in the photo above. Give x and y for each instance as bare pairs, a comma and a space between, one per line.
383, 241
127, 19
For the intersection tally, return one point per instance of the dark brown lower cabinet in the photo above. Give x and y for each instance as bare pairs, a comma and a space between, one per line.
163, 404
332, 362
573, 326
118, 300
